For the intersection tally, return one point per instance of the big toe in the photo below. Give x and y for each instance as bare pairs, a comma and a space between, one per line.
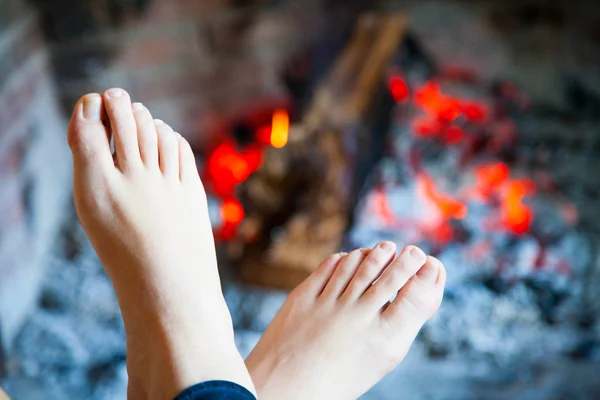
421, 297
88, 138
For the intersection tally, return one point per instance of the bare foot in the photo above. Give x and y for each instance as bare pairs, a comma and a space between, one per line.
338, 334
146, 215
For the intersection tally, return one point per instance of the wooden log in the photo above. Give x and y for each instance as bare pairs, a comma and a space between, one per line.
299, 204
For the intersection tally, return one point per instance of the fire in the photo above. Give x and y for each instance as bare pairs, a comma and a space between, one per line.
442, 111
263, 135
494, 182
516, 216
426, 127
382, 207
232, 212
490, 177
446, 205
474, 111
453, 134
431, 100
227, 167
399, 89
280, 129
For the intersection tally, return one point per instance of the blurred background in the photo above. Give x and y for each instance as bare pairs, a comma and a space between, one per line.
470, 128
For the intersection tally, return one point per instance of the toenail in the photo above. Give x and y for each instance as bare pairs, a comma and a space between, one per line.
92, 107
115, 93
158, 121
137, 106
386, 245
418, 255
429, 273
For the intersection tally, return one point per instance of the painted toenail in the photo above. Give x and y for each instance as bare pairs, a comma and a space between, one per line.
429, 273
386, 245
137, 106
115, 93
92, 106
418, 255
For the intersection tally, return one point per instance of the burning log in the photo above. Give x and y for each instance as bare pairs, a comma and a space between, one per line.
299, 204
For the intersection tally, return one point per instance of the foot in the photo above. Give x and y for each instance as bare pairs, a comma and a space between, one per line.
145, 213
338, 333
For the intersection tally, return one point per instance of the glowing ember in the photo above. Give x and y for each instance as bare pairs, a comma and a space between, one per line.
426, 127
399, 89
474, 111
280, 129
516, 216
429, 97
382, 207
441, 111
446, 205
263, 135
232, 212
453, 134
490, 177
229, 165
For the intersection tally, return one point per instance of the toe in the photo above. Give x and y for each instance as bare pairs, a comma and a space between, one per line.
410, 260
343, 273
146, 135
316, 282
123, 126
370, 269
88, 138
168, 150
421, 297
187, 162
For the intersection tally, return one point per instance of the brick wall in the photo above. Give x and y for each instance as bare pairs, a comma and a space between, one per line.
34, 166
191, 62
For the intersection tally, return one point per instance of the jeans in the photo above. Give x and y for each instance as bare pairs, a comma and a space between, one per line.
216, 390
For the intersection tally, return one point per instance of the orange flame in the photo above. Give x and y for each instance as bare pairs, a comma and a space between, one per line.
441, 110
232, 212
490, 177
516, 216
227, 167
447, 206
280, 129
431, 99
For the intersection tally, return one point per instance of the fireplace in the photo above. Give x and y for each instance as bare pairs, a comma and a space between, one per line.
467, 128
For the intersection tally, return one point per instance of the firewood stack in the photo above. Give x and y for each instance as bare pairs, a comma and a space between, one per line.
299, 204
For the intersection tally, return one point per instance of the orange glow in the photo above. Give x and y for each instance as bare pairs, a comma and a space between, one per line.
474, 111
431, 100
232, 212
399, 89
263, 135
453, 134
447, 206
448, 109
429, 96
426, 127
280, 129
491, 176
440, 110
236, 165
516, 216
382, 207
227, 167
252, 156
